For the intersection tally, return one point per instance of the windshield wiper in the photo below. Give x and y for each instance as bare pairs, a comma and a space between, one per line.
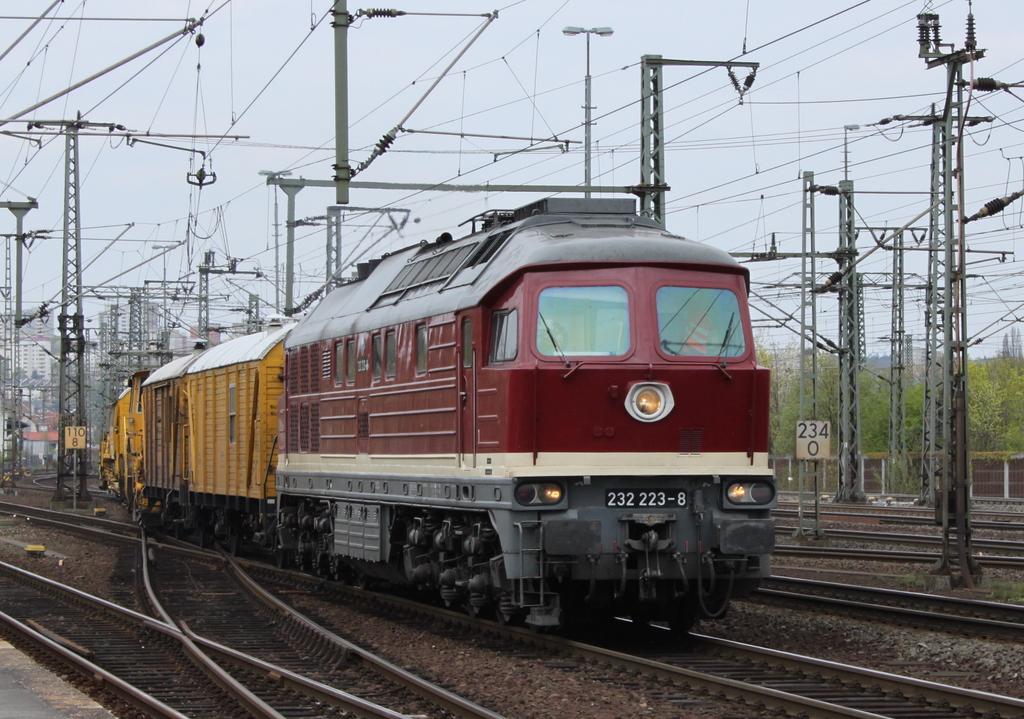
725, 345
551, 336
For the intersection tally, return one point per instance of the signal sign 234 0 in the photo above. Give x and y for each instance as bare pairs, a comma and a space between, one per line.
812, 439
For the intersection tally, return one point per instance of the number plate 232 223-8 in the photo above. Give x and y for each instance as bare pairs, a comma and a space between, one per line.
641, 498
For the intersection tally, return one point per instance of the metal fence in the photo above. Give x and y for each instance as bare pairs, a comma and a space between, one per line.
990, 478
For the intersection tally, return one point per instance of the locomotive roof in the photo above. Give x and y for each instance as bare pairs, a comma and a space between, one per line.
448, 275
249, 348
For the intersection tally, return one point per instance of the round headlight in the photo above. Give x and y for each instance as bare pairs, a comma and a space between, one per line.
539, 493
737, 493
750, 493
649, 401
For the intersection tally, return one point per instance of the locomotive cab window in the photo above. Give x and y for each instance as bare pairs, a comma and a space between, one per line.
504, 336
695, 321
575, 321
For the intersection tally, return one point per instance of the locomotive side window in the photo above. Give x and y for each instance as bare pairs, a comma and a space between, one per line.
376, 356
350, 361
339, 363
467, 342
390, 353
421, 349
699, 321
583, 321
504, 335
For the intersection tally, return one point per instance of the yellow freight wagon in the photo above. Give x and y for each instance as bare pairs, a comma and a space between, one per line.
166, 456
231, 394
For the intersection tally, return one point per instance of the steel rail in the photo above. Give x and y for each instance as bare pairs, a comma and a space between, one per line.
120, 613
858, 535
249, 701
939, 694
457, 705
878, 555
318, 691
750, 692
947, 614
55, 518
1013, 522
140, 700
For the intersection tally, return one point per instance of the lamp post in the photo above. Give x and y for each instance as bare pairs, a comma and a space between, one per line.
277, 238
603, 32
846, 150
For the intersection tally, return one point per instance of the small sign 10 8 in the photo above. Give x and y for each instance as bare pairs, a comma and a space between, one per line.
812, 439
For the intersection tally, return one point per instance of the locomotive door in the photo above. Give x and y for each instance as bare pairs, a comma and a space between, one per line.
467, 396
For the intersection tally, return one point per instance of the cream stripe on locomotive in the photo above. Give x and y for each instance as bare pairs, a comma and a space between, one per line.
522, 464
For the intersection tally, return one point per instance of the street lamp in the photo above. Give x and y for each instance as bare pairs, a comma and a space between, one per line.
603, 32
272, 175
846, 150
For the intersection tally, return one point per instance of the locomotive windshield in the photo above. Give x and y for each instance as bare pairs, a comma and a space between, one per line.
699, 321
574, 321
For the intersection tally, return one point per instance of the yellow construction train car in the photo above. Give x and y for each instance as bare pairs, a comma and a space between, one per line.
212, 442
121, 449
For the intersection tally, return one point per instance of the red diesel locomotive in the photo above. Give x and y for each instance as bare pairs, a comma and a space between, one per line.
560, 412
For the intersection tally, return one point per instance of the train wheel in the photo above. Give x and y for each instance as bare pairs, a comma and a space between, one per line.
475, 611
205, 538
684, 617
282, 558
233, 540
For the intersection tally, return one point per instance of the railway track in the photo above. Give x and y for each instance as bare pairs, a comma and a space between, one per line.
847, 554
81, 523
775, 680
1001, 546
926, 611
873, 514
136, 657
757, 676
225, 682
211, 595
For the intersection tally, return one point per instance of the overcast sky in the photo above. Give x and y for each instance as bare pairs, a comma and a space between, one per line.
265, 74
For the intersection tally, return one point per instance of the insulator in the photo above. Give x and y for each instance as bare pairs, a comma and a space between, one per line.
750, 80
735, 82
385, 143
972, 40
936, 35
987, 84
993, 207
922, 30
834, 279
830, 190
383, 12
